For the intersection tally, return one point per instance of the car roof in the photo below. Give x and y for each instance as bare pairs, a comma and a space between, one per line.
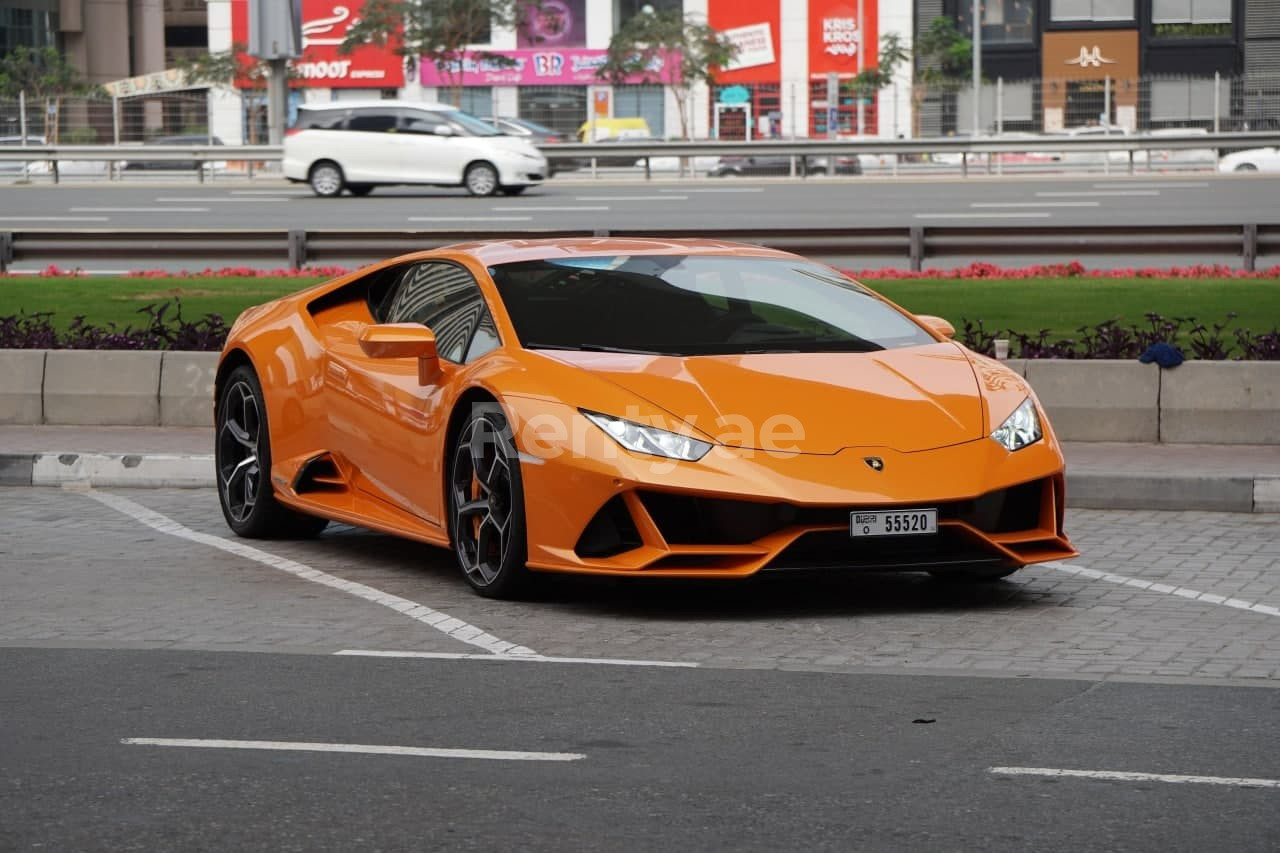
512, 251
365, 103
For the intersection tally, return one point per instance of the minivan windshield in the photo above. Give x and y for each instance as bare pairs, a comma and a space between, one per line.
687, 305
472, 125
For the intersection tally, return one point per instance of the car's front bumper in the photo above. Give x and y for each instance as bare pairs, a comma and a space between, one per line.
592, 507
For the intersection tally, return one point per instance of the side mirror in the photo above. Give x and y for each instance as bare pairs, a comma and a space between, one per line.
937, 324
444, 130
404, 340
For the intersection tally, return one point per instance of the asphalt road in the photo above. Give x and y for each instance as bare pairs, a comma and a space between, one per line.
854, 712
723, 203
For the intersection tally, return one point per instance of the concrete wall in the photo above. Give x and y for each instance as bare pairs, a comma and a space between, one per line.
1198, 403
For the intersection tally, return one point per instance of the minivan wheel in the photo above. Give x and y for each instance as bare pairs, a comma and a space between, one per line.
481, 179
326, 179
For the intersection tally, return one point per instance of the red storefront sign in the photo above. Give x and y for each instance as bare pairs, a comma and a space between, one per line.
324, 26
834, 37
754, 26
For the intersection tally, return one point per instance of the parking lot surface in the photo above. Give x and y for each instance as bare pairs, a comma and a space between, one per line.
170, 687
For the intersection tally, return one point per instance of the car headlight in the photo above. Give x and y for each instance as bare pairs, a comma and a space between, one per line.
646, 439
1021, 428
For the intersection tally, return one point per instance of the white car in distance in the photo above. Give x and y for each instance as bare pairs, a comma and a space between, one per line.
359, 145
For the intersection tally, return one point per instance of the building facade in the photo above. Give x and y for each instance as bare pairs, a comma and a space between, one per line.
1135, 64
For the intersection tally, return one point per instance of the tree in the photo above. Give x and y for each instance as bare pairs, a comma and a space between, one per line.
670, 48
43, 73
893, 54
943, 60
233, 67
437, 31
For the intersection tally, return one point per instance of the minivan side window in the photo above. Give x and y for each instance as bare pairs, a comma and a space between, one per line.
372, 121
445, 298
320, 120
420, 121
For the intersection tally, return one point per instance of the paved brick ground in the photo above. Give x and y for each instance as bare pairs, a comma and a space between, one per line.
76, 572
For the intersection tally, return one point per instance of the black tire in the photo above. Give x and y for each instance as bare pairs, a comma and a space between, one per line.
481, 179
326, 179
360, 189
242, 454
513, 190
486, 506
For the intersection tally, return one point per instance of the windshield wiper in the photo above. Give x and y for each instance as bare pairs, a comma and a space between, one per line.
788, 344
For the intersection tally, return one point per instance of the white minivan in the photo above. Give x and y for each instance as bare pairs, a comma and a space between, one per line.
358, 145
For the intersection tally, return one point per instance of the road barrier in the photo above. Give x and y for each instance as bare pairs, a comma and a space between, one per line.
916, 244
1200, 402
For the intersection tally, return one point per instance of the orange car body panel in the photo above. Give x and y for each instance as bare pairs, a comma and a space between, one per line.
381, 427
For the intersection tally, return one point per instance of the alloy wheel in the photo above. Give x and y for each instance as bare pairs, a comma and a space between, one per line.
483, 501
482, 180
326, 179
239, 469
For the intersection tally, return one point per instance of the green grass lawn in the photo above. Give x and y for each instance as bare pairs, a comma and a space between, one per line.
1028, 305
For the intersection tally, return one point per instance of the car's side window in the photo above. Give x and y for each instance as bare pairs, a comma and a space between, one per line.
372, 121
419, 121
445, 298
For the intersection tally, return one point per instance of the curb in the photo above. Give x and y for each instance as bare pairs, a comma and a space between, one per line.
1085, 490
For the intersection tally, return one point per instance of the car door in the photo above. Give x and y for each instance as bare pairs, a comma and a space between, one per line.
393, 425
428, 157
370, 146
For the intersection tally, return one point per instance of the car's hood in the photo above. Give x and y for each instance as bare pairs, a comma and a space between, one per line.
910, 399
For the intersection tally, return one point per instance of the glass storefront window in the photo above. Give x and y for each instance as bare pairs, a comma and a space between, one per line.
1191, 18
561, 108
646, 102
1061, 11
1003, 21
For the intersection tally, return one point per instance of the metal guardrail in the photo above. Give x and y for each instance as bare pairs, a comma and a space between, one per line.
916, 244
645, 150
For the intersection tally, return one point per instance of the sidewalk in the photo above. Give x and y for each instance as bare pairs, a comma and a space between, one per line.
1229, 478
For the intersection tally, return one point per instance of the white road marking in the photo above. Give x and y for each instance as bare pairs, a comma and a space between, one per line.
139, 210
1169, 185
358, 748
632, 198
1166, 589
224, 200
470, 218
371, 653
272, 192
718, 190
1094, 193
1035, 204
56, 218
551, 208
1029, 215
1124, 776
442, 622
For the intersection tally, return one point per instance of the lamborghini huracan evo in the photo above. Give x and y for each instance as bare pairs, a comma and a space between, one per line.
633, 407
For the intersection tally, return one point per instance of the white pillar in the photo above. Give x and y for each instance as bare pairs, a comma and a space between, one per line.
226, 111
794, 65
896, 17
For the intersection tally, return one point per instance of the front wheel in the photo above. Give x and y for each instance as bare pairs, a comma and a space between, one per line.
481, 179
242, 458
326, 179
486, 506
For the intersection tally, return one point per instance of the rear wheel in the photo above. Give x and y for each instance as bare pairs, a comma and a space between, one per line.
481, 179
486, 506
242, 457
326, 179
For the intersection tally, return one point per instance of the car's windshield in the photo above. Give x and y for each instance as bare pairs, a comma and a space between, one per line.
696, 305
472, 125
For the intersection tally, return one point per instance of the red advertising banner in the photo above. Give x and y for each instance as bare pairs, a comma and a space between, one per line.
754, 26
834, 37
324, 26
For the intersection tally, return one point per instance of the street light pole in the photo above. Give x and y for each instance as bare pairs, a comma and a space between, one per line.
977, 66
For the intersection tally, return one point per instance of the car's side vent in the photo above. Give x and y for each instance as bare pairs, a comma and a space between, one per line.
610, 532
321, 474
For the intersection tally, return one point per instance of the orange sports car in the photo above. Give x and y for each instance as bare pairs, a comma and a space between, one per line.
633, 407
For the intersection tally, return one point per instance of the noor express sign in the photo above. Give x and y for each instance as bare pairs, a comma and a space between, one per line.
324, 26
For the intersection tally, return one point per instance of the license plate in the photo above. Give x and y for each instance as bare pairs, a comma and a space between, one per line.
897, 522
